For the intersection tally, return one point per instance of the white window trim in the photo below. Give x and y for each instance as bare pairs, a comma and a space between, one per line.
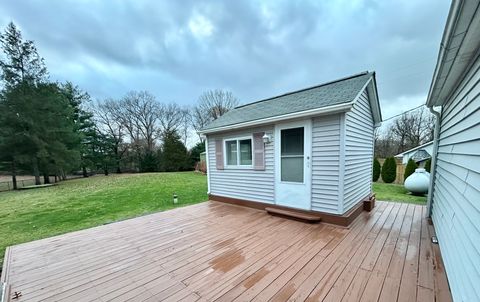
237, 166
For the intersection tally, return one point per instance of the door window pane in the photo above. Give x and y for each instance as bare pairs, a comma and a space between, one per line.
245, 152
292, 141
231, 151
292, 169
292, 157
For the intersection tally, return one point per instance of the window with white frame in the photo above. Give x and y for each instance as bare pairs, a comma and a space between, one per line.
238, 152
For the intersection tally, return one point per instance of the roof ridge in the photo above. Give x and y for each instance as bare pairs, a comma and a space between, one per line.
305, 89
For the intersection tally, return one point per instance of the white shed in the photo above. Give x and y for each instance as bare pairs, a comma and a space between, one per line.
454, 199
419, 154
309, 150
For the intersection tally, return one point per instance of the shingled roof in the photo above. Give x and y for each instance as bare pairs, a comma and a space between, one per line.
341, 91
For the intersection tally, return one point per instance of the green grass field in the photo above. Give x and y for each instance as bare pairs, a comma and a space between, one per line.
82, 203
393, 192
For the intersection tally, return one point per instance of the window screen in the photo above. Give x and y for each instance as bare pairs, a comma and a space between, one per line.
291, 156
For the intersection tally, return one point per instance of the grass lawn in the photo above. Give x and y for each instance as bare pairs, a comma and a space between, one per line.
82, 203
394, 192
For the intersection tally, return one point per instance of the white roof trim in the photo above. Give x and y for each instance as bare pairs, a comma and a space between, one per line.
458, 48
371, 87
270, 120
414, 149
375, 102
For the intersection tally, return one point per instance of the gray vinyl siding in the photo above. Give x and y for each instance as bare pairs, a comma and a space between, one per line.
325, 163
245, 184
456, 194
359, 129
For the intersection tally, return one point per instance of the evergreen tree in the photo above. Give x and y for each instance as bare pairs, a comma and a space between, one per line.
428, 164
410, 168
22, 63
56, 130
149, 162
21, 70
389, 170
84, 125
174, 156
39, 123
194, 154
376, 169
102, 152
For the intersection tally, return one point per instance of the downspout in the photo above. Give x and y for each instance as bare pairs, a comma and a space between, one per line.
375, 127
207, 156
436, 135
449, 31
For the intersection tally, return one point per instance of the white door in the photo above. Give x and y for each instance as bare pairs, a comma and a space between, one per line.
293, 146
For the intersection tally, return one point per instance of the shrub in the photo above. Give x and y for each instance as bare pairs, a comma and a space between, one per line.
428, 164
376, 169
389, 170
410, 168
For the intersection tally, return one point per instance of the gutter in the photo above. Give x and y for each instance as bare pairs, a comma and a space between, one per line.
5, 293
442, 55
269, 120
436, 135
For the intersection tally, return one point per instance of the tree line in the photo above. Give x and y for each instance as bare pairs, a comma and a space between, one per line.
407, 131
49, 128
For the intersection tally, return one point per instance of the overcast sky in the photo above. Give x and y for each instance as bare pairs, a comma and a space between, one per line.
256, 49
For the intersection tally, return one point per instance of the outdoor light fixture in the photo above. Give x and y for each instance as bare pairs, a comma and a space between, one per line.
175, 198
266, 138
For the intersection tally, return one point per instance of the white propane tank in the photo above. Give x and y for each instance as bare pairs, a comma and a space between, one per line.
418, 182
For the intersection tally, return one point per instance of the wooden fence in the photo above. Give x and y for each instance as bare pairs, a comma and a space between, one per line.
400, 171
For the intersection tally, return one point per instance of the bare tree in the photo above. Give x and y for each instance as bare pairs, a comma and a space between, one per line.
139, 113
407, 131
413, 129
185, 124
385, 144
422, 126
173, 117
199, 119
170, 117
211, 105
105, 115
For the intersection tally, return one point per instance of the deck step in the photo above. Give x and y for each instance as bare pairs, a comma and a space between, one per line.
294, 214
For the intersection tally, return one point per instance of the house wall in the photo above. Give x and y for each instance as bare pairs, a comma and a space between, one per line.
245, 184
326, 163
359, 129
456, 193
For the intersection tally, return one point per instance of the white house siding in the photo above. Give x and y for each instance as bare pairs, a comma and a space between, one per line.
325, 163
359, 129
245, 184
456, 194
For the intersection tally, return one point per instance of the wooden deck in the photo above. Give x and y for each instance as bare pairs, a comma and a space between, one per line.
214, 251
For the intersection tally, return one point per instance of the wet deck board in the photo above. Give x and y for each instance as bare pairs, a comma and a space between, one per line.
219, 252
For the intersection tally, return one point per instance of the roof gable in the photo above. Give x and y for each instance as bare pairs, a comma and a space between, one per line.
340, 92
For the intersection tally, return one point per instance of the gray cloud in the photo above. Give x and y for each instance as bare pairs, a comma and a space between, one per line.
177, 49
